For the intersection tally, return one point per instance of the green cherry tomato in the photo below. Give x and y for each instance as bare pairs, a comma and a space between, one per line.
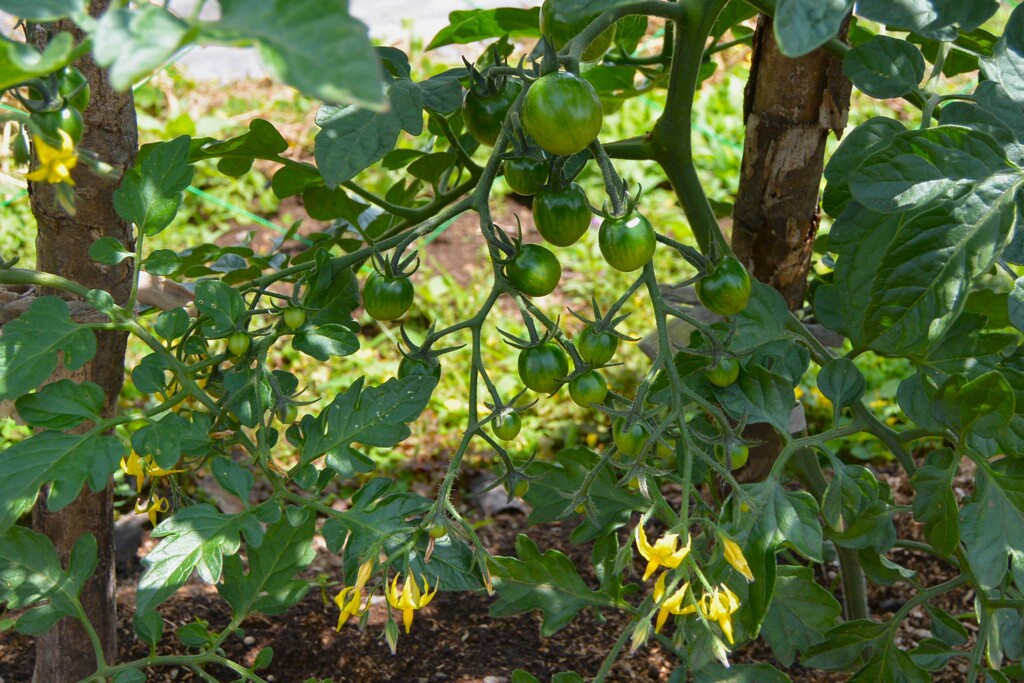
294, 317
20, 148
588, 388
521, 488
484, 112
387, 298
416, 367
75, 88
596, 349
561, 21
724, 372
562, 216
288, 414
726, 289
525, 175
438, 531
543, 368
562, 113
737, 455
238, 343
507, 428
629, 441
627, 243
534, 271
67, 119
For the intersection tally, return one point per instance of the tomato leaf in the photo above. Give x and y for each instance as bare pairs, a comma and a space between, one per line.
20, 61
352, 139
323, 341
780, 517
270, 586
32, 343
885, 67
992, 525
297, 38
714, 672
803, 25
800, 613
42, 10
151, 193
547, 582
66, 461
1006, 65
62, 404
938, 20
193, 539
469, 26
134, 42
844, 644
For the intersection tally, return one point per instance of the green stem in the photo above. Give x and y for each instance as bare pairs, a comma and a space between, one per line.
613, 654
670, 140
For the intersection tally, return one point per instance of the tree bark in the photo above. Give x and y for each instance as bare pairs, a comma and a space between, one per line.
65, 653
790, 106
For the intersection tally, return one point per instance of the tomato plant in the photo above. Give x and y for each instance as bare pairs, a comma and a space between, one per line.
562, 216
387, 298
525, 175
543, 368
562, 113
627, 243
920, 267
725, 290
534, 270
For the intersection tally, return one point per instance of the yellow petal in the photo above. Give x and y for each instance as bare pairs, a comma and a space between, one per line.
734, 556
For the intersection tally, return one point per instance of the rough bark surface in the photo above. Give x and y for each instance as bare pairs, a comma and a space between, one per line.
65, 653
790, 107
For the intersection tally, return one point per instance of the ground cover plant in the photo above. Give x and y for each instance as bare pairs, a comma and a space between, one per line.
710, 510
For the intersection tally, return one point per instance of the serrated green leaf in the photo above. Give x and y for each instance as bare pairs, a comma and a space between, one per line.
885, 67
296, 38
1006, 65
986, 405
992, 525
270, 586
162, 440
556, 482
324, 341
762, 321
803, 25
859, 144
761, 395
33, 342
800, 614
352, 139
222, 304
935, 505
235, 478
968, 347
547, 582
374, 416
938, 20
452, 566
31, 572
379, 510
193, 539
151, 193
469, 26
890, 665
66, 461
133, 43
843, 645
779, 517
62, 404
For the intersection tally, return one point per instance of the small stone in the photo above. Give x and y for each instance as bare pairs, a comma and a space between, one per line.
248, 640
495, 679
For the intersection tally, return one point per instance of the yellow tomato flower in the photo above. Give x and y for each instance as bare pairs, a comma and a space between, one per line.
409, 598
55, 164
350, 599
156, 504
734, 556
673, 604
719, 605
664, 553
138, 467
